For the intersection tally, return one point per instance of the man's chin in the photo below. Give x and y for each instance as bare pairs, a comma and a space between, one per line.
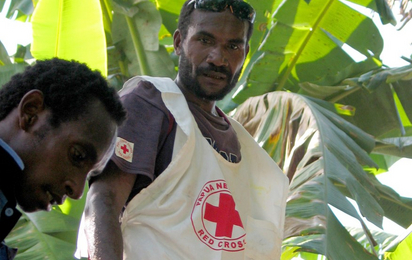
28, 209
215, 96
32, 207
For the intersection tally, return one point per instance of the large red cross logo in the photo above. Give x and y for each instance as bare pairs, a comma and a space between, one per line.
225, 215
124, 149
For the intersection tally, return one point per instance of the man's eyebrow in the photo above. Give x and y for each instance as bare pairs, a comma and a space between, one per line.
237, 41
208, 34
205, 33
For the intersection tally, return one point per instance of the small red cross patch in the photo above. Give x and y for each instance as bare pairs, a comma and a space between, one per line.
124, 149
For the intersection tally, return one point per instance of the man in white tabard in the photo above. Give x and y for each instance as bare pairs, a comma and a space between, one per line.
186, 181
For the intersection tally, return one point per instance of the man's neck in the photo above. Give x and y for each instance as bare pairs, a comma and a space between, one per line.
207, 105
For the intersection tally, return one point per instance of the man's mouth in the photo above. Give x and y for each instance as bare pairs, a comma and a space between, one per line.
215, 75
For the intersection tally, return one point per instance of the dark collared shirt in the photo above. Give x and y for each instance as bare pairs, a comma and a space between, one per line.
10, 166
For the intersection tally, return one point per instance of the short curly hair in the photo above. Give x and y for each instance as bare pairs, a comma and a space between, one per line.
68, 88
184, 20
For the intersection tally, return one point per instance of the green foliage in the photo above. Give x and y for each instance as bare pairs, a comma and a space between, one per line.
303, 43
7, 68
70, 29
402, 251
323, 157
156, 60
383, 92
23, 8
4, 56
44, 235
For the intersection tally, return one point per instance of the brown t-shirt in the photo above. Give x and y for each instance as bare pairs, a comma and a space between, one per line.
151, 128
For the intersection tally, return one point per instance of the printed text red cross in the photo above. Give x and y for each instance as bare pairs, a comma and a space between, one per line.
225, 215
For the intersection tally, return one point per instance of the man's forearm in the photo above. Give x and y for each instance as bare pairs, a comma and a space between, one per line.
104, 237
105, 200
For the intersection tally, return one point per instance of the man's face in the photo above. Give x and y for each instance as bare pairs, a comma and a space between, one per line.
57, 160
213, 53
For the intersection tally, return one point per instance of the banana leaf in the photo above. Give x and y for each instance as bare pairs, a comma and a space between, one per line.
402, 251
24, 9
383, 102
383, 239
7, 71
304, 42
323, 156
44, 235
70, 29
147, 20
4, 56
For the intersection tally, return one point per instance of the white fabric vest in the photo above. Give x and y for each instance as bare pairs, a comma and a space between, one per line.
202, 206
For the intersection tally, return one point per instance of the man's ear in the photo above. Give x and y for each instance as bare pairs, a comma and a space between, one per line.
177, 42
247, 50
29, 107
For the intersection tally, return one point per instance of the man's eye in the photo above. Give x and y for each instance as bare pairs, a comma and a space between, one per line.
204, 40
233, 46
77, 155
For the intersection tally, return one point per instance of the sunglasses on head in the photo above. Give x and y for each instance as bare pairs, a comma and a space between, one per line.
240, 9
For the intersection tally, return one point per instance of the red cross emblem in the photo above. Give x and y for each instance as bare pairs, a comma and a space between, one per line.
124, 149
215, 219
225, 215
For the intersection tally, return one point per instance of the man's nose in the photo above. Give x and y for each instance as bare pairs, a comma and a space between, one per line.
74, 190
218, 57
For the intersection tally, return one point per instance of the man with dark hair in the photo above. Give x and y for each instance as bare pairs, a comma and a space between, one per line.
58, 122
188, 181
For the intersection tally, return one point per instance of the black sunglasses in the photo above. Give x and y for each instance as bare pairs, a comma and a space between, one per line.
240, 9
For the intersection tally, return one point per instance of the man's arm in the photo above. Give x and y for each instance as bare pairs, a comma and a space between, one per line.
105, 200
